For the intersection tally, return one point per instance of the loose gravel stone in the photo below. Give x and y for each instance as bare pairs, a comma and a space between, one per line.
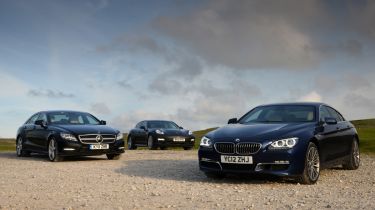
169, 179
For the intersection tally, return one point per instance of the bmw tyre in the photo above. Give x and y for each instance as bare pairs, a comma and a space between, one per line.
19, 148
215, 175
311, 170
131, 145
52, 151
151, 143
354, 159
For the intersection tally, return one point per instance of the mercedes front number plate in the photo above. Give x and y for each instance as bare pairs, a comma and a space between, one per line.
99, 146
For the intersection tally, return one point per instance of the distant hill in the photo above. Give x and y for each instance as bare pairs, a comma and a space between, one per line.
364, 123
365, 128
199, 134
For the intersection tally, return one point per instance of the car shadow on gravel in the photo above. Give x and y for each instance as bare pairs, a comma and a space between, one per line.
44, 158
188, 171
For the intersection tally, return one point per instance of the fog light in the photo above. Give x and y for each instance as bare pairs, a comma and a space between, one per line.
192, 139
161, 139
68, 149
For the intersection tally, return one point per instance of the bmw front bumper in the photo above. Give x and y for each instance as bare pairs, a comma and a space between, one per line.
274, 162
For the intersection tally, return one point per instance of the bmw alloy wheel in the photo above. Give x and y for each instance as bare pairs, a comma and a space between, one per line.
355, 154
313, 164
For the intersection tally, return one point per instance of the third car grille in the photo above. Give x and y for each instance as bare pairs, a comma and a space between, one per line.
241, 148
93, 138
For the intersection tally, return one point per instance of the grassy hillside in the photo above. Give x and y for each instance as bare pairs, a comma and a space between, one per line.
199, 134
366, 132
365, 128
7, 144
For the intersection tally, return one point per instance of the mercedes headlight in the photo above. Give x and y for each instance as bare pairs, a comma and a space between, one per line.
159, 131
120, 136
284, 143
68, 136
190, 132
205, 142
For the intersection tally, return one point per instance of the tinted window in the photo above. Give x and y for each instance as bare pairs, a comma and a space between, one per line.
162, 124
324, 113
280, 113
43, 117
73, 118
335, 114
32, 119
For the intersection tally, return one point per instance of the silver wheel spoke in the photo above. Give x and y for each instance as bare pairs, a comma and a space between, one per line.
313, 165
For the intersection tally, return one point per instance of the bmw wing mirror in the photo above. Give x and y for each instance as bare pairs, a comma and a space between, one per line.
330, 120
142, 127
232, 121
103, 122
181, 127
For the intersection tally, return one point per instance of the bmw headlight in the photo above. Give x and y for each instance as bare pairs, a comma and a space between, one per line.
159, 131
68, 136
284, 143
205, 142
190, 132
120, 136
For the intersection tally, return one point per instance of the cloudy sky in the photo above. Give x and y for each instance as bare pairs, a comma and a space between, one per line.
195, 62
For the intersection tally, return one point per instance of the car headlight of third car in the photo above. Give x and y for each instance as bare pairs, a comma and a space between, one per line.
119, 136
286, 143
159, 131
68, 136
190, 132
206, 142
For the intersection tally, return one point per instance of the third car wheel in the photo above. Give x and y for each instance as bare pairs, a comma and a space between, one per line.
353, 161
52, 151
131, 145
312, 166
151, 143
113, 156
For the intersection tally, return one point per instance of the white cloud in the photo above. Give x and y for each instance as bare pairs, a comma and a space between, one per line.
313, 96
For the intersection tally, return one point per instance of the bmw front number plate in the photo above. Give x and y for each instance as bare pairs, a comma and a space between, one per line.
237, 159
99, 146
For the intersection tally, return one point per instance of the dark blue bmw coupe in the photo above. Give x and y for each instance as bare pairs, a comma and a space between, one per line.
295, 140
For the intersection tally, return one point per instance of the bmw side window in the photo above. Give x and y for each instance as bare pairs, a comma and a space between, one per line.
335, 114
324, 113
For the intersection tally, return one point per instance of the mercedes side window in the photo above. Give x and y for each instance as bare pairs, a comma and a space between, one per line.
43, 117
138, 126
32, 119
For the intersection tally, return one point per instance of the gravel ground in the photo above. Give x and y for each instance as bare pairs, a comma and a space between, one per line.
169, 179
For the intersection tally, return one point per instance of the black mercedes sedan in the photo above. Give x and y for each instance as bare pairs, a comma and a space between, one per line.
294, 140
68, 133
160, 133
